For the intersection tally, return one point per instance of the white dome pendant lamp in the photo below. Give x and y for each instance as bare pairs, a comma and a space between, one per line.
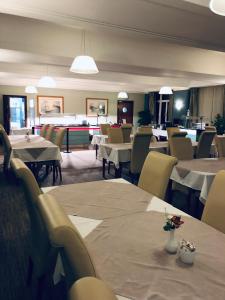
218, 7
84, 64
47, 81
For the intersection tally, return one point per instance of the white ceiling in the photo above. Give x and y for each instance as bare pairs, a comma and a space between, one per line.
141, 22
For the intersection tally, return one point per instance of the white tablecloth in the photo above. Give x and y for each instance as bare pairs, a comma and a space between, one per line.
198, 178
35, 150
99, 139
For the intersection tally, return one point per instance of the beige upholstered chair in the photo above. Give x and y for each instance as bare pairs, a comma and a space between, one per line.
204, 144
139, 152
181, 148
104, 128
50, 132
126, 130
214, 210
179, 134
156, 173
220, 145
210, 128
63, 235
59, 137
42, 256
58, 142
115, 135
171, 131
145, 129
90, 288
44, 130
6, 148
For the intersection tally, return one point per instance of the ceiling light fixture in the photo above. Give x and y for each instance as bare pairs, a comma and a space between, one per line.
47, 82
84, 64
165, 90
122, 95
218, 7
30, 89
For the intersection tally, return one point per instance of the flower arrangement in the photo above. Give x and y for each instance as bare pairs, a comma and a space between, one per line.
172, 222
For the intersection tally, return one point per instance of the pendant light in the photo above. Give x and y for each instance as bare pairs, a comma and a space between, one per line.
30, 89
47, 81
218, 7
122, 95
165, 90
84, 64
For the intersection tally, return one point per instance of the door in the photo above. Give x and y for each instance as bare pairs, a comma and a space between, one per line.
15, 112
125, 110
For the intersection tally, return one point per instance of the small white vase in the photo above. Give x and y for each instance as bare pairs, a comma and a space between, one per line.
172, 244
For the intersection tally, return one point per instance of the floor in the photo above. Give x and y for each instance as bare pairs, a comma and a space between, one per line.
78, 166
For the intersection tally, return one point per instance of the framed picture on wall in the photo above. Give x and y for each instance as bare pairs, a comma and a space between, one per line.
47, 105
96, 107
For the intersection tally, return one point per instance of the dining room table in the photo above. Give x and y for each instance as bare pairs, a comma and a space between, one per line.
122, 226
33, 148
198, 174
35, 151
120, 153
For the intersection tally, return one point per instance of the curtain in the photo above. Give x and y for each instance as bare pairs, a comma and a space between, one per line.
211, 102
170, 108
152, 105
194, 104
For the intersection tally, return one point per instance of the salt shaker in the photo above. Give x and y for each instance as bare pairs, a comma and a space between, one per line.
187, 252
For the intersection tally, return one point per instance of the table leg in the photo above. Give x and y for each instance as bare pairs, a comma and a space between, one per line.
118, 171
96, 150
103, 167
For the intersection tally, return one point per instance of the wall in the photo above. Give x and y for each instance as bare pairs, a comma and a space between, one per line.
74, 102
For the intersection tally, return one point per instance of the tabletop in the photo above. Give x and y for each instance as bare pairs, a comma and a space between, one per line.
34, 149
198, 174
128, 249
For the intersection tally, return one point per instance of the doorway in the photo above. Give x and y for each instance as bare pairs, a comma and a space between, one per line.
15, 112
125, 110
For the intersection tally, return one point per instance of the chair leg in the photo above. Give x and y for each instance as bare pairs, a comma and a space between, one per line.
60, 172
29, 272
109, 165
53, 172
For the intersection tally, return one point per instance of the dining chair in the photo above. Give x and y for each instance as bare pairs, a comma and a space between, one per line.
214, 210
204, 145
139, 152
50, 132
126, 130
42, 256
7, 148
145, 129
63, 235
181, 148
115, 135
210, 128
156, 173
171, 131
58, 142
220, 145
43, 130
91, 288
104, 128
179, 134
